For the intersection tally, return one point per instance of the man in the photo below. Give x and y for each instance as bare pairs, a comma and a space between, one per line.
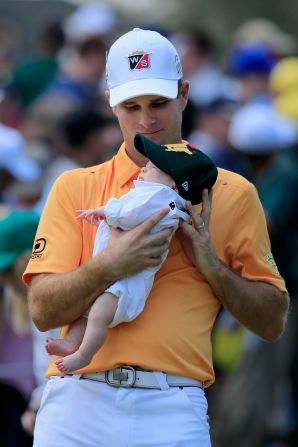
157, 399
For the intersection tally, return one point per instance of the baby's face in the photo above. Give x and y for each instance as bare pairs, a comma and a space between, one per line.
150, 173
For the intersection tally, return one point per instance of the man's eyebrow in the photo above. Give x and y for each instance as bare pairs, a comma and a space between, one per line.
128, 103
133, 103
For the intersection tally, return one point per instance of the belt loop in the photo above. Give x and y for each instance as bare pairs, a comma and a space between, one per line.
77, 376
161, 380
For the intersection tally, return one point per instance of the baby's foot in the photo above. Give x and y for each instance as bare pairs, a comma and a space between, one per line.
72, 362
59, 347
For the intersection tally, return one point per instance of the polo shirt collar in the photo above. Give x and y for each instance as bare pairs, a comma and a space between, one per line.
125, 169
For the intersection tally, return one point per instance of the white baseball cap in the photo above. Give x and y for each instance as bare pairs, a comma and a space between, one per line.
258, 129
13, 156
142, 62
94, 18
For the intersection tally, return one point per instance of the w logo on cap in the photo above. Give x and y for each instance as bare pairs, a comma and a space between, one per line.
138, 61
185, 186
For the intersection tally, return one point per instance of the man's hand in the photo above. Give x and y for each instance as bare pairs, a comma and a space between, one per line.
129, 252
58, 299
259, 306
195, 237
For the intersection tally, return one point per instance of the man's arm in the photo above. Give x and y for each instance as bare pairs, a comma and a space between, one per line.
258, 305
58, 299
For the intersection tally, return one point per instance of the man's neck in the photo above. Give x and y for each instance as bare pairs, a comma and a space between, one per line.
136, 157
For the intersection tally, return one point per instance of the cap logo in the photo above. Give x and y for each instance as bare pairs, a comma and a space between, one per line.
178, 148
139, 60
185, 186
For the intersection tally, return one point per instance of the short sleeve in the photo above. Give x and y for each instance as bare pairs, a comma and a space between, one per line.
250, 251
58, 242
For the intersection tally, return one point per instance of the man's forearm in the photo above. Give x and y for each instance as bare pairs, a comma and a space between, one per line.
259, 306
59, 299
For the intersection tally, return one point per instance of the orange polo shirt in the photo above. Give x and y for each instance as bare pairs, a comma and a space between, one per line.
173, 333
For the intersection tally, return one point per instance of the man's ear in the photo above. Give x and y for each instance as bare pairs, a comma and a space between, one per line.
184, 89
107, 94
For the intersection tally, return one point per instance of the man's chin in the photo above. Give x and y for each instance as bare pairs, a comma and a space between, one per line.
157, 137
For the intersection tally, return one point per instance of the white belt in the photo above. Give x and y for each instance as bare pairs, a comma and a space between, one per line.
129, 377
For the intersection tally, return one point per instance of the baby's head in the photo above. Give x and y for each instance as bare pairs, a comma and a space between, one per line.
151, 173
182, 167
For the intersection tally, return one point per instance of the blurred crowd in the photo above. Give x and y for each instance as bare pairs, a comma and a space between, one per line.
243, 113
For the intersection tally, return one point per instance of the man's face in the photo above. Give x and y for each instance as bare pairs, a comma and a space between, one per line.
156, 117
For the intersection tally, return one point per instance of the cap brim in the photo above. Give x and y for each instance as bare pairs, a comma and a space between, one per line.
155, 152
141, 87
146, 146
198, 171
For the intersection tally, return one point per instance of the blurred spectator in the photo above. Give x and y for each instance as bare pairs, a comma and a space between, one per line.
23, 359
251, 65
89, 20
31, 76
284, 76
208, 83
15, 163
76, 85
210, 134
80, 77
257, 129
85, 138
262, 378
287, 104
265, 32
10, 36
17, 230
284, 85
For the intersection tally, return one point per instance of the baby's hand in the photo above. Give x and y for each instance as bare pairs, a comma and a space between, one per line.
92, 216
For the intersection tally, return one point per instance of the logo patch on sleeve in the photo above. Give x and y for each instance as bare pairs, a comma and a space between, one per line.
38, 248
139, 61
271, 262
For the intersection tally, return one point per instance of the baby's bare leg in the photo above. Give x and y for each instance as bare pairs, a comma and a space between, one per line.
71, 342
100, 316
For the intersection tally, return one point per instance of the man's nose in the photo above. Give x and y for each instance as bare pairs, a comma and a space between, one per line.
147, 118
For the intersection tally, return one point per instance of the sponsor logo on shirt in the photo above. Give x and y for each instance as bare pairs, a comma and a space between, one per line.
38, 248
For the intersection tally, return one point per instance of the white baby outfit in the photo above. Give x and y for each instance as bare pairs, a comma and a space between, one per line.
126, 213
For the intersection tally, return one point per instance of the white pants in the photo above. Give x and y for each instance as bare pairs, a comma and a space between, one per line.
84, 413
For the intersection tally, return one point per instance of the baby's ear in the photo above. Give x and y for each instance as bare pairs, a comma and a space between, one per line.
174, 187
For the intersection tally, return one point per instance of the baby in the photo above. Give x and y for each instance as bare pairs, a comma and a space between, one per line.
174, 173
